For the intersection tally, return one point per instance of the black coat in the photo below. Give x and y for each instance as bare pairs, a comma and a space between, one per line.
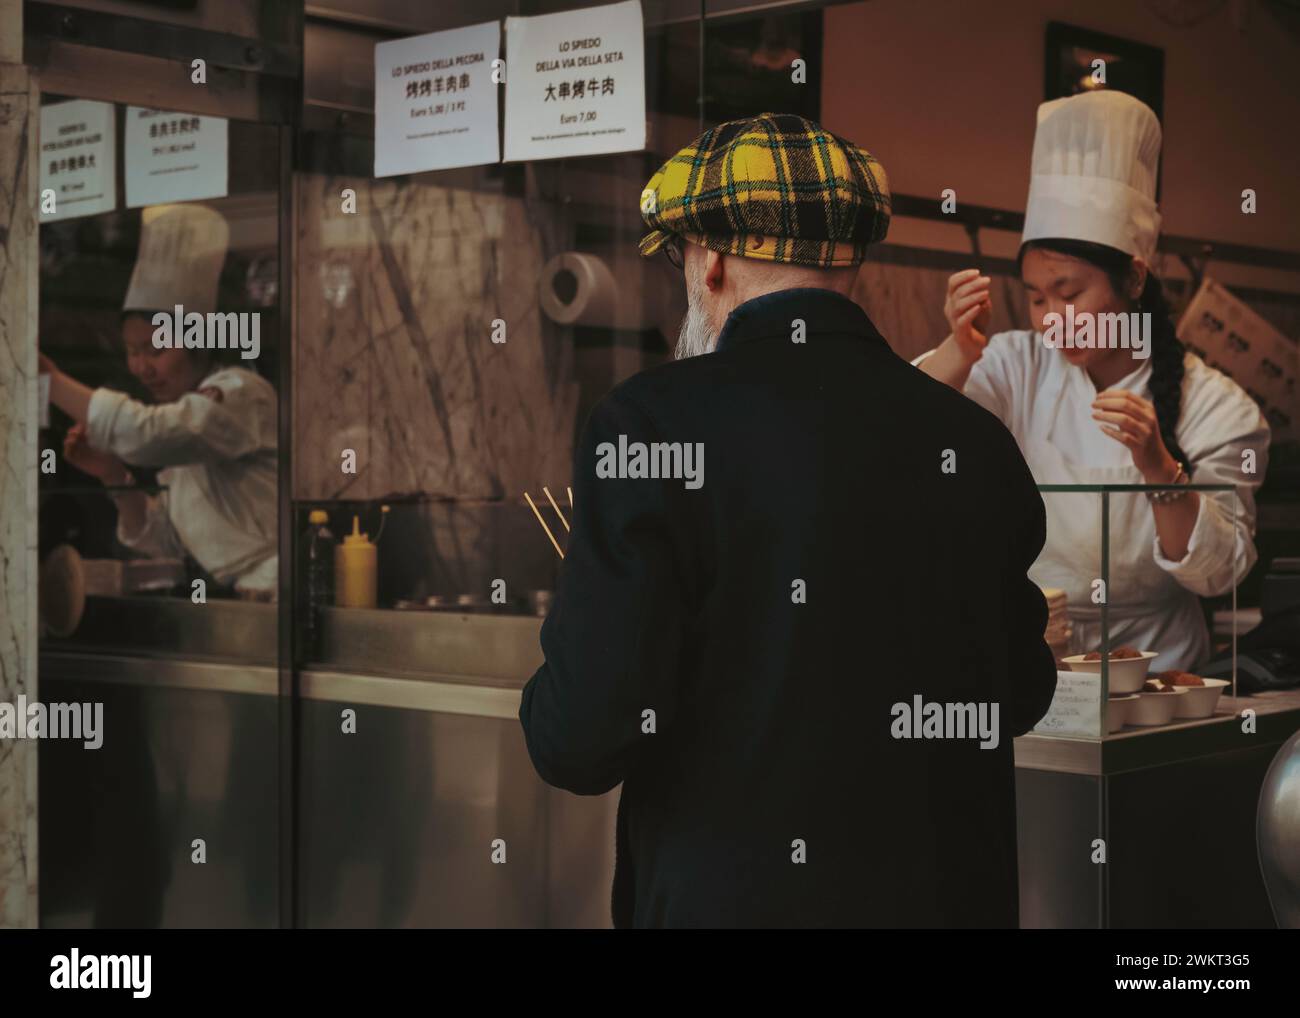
771, 791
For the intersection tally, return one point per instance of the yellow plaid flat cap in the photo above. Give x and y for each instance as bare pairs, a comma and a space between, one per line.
776, 187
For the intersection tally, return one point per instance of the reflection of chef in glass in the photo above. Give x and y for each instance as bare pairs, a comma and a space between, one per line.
211, 426
1103, 416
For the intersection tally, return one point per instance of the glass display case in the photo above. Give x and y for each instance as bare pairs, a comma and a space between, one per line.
1105, 799
1121, 613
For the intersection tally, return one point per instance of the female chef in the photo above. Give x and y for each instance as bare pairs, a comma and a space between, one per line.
212, 427
1117, 414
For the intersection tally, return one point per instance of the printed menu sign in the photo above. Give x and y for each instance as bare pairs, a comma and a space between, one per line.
1075, 707
435, 101
1227, 334
575, 83
78, 141
173, 157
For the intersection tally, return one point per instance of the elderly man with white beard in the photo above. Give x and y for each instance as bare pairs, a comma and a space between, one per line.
733, 645
715, 285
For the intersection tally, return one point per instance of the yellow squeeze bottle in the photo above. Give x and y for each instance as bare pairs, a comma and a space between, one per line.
356, 566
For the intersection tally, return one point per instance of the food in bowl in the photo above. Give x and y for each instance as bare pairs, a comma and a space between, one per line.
1118, 654
1157, 684
1126, 673
1176, 678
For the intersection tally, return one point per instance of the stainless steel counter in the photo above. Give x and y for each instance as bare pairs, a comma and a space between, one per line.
1174, 808
399, 820
190, 752
149, 626
435, 780
403, 812
503, 648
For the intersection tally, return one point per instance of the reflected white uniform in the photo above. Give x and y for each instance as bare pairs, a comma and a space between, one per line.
1045, 402
219, 451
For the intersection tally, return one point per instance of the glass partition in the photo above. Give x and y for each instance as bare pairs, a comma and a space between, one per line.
453, 329
1134, 651
158, 516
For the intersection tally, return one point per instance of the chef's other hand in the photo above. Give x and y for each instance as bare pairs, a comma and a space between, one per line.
967, 308
78, 451
1131, 420
47, 366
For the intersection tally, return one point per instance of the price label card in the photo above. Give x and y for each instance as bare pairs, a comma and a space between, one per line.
78, 169
174, 157
436, 101
575, 83
1075, 707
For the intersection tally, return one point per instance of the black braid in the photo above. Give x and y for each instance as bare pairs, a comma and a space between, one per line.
1166, 367
1166, 348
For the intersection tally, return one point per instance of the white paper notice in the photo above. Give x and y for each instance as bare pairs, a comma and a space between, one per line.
435, 101
1075, 707
78, 142
575, 83
174, 157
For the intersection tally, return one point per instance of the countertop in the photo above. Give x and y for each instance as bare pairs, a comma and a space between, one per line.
1277, 716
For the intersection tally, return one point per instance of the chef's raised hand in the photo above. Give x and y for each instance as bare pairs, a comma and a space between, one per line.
967, 308
66, 392
78, 451
1131, 420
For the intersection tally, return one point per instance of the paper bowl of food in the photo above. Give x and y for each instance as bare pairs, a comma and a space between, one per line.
1118, 709
1157, 703
1202, 694
1128, 667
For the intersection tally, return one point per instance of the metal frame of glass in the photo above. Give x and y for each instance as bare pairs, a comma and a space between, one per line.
1105, 491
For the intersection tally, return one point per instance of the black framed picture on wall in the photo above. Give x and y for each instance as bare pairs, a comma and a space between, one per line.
1080, 60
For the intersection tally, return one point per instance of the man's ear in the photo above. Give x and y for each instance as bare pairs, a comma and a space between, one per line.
714, 273
1137, 278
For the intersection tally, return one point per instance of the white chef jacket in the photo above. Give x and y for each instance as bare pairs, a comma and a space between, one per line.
1045, 402
219, 451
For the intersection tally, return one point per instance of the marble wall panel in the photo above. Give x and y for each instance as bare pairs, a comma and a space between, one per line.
18, 417
394, 355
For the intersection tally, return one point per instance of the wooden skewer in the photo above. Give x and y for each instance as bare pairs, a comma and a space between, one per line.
570, 491
533, 506
557, 509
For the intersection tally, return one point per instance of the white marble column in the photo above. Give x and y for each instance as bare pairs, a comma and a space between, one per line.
18, 436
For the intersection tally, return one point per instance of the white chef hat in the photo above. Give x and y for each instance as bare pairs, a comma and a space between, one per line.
182, 249
1093, 175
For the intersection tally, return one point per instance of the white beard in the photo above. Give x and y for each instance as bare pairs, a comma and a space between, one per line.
695, 337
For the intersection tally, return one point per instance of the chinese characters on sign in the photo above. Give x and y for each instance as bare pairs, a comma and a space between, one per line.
579, 89
435, 101
436, 86
177, 125
576, 83
77, 159
174, 157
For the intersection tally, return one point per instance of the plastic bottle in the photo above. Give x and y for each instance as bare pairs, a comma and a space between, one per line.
356, 569
318, 580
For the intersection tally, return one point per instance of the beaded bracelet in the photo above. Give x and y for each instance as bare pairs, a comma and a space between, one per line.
1171, 496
